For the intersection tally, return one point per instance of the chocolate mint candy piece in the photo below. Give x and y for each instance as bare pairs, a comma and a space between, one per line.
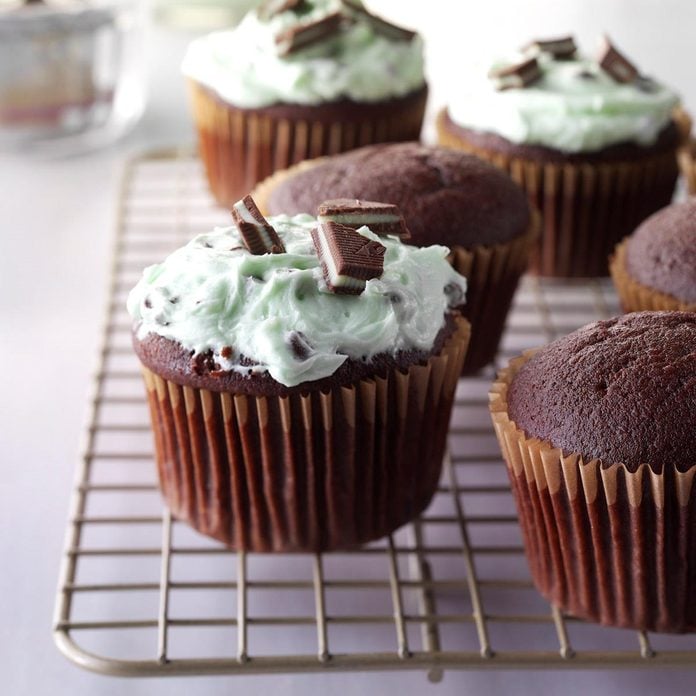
381, 218
617, 65
271, 8
379, 26
517, 75
302, 35
347, 258
258, 236
561, 48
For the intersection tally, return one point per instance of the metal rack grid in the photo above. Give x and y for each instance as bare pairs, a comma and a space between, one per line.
142, 594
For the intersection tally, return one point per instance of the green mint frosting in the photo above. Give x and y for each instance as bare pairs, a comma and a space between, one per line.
574, 107
243, 68
212, 294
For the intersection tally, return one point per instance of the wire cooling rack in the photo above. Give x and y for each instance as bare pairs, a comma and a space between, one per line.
142, 594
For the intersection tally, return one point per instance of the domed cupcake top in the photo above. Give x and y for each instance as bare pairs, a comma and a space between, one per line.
308, 52
553, 96
446, 197
622, 390
661, 253
311, 296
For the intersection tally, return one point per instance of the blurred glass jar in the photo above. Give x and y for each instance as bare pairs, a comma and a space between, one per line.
72, 74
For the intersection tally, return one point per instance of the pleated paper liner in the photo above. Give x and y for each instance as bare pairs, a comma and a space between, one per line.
603, 543
492, 274
240, 147
636, 297
314, 472
687, 164
586, 209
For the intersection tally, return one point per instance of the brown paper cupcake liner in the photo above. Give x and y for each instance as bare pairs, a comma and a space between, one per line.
687, 164
603, 542
240, 147
492, 273
306, 472
636, 297
586, 209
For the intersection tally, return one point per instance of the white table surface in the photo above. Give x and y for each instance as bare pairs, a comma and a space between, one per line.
56, 224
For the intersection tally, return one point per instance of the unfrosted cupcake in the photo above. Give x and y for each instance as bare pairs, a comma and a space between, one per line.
598, 430
300, 377
299, 79
591, 140
446, 197
655, 268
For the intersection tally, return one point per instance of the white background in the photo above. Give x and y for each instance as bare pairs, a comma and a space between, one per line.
56, 222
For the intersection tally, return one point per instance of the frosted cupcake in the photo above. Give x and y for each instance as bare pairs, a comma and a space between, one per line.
446, 197
299, 79
592, 141
300, 376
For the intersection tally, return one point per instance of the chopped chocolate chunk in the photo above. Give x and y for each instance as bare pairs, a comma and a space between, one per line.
303, 35
301, 348
271, 8
381, 218
616, 64
561, 48
379, 26
348, 258
148, 302
226, 352
258, 236
517, 75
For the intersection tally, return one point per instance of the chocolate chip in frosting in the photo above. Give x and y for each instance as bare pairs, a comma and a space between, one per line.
646, 84
455, 294
586, 75
301, 347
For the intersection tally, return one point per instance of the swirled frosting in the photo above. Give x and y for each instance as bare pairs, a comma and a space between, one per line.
574, 107
213, 295
242, 65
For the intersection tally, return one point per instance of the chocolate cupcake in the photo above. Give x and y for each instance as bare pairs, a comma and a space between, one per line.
446, 197
655, 268
598, 430
297, 80
591, 140
300, 376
